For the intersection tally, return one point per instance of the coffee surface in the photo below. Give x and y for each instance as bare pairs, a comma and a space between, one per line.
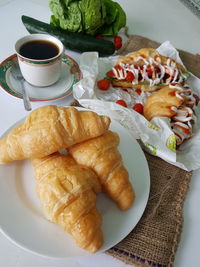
39, 49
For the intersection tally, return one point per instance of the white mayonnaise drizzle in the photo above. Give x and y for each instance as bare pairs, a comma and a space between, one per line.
153, 65
167, 74
181, 122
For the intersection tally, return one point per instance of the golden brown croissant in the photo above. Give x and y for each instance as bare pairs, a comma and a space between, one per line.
49, 129
175, 102
147, 70
163, 103
101, 154
68, 195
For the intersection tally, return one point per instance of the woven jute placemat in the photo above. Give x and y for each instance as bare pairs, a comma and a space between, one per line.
154, 241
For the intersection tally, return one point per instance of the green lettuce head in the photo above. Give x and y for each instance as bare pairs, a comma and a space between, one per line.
78, 15
115, 18
88, 16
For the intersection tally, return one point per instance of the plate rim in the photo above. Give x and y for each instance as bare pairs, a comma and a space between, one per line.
35, 252
67, 93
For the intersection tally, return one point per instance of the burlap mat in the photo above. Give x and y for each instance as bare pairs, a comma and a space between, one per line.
154, 241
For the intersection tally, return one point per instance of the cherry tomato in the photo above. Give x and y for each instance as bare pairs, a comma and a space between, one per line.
117, 42
138, 107
103, 84
118, 67
110, 73
121, 102
138, 91
100, 37
130, 76
149, 73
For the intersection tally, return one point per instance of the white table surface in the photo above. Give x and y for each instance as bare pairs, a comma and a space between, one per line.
156, 19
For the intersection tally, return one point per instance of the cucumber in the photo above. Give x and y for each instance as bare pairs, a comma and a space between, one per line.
72, 41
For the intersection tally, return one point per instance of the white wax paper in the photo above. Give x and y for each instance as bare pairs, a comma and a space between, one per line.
156, 136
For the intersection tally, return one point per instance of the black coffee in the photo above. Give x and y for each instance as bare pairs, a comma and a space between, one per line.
39, 49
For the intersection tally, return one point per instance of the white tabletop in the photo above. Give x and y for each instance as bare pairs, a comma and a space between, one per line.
156, 19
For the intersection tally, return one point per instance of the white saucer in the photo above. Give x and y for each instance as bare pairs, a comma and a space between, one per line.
70, 75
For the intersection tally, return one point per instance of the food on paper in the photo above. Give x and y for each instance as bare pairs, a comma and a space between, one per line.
147, 70
101, 155
103, 17
67, 192
157, 135
176, 102
49, 129
161, 103
158, 86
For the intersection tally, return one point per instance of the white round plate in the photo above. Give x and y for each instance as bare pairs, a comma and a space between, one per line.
70, 74
23, 222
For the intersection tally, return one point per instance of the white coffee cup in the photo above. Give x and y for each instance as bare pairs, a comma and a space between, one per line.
38, 67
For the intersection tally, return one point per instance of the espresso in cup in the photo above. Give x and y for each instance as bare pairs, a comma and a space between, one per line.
39, 49
40, 58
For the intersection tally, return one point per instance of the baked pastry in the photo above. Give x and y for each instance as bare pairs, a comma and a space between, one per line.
49, 129
175, 102
162, 102
102, 156
67, 192
147, 70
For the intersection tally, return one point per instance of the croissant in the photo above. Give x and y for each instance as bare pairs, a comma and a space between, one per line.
101, 154
175, 102
67, 192
147, 70
49, 129
162, 102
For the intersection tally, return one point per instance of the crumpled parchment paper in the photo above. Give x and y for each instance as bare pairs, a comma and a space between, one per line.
156, 136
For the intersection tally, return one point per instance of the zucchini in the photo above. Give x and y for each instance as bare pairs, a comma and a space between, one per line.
72, 41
